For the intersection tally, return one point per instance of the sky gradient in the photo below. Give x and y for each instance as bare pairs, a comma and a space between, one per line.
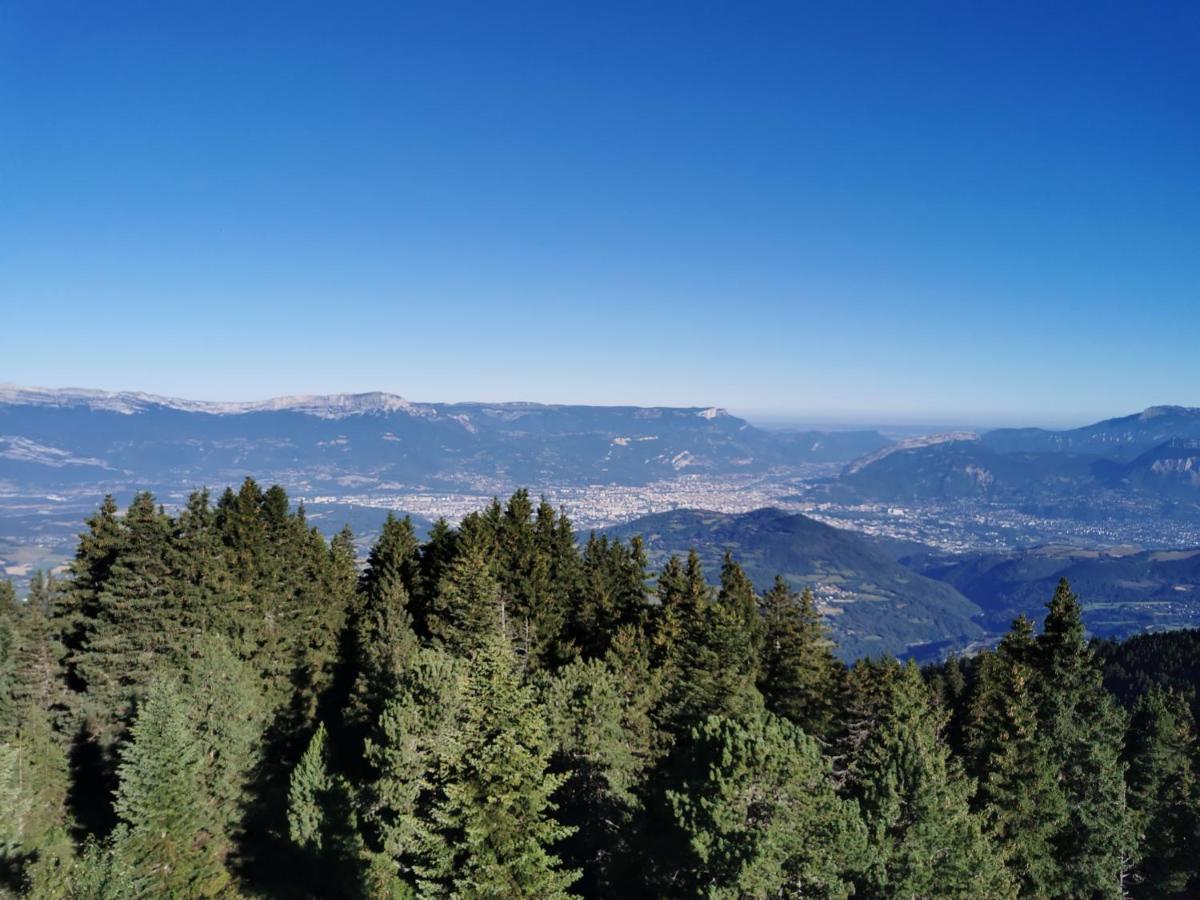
987, 212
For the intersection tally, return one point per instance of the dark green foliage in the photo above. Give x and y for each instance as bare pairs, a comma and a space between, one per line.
799, 677
760, 816
137, 626
708, 647
384, 640
493, 826
495, 713
916, 804
1083, 730
1164, 795
321, 822
1019, 790
172, 837
612, 593
602, 751
413, 736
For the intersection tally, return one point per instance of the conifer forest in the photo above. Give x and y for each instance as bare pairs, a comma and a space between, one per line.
223, 703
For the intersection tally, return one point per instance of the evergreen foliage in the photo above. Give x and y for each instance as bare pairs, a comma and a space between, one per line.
915, 801
799, 676
494, 816
1082, 729
216, 702
760, 814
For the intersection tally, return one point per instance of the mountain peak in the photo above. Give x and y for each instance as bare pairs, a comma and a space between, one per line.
1156, 412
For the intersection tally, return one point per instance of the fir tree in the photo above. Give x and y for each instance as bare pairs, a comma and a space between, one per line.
1019, 789
1164, 796
494, 816
414, 734
321, 822
713, 665
602, 759
799, 676
1082, 731
170, 843
468, 607
228, 718
137, 624
916, 804
79, 607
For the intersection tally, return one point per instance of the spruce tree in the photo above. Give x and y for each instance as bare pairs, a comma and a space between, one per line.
915, 801
1164, 795
1019, 790
138, 624
172, 837
1082, 730
799, 676
494, 817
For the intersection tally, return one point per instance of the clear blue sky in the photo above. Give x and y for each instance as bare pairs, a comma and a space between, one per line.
975, 210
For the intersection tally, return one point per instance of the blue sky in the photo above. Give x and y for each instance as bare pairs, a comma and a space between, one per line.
975, 211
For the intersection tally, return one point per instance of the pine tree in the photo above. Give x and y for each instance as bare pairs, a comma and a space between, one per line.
1019, 789
1164, 796
171, 823
757, 806
916, 804
799, 676
1082, 730
494, 815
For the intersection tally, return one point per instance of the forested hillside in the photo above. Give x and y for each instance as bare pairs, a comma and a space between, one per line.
223, 703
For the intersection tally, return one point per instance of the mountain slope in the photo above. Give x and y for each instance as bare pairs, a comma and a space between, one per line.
1124, 591
383, 440
1121, 438
874, 604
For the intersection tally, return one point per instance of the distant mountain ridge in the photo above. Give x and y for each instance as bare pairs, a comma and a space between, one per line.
1124, 436
1138, 460
382, 440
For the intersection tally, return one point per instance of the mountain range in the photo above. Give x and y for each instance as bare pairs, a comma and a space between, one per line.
67, 437
1142, 465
